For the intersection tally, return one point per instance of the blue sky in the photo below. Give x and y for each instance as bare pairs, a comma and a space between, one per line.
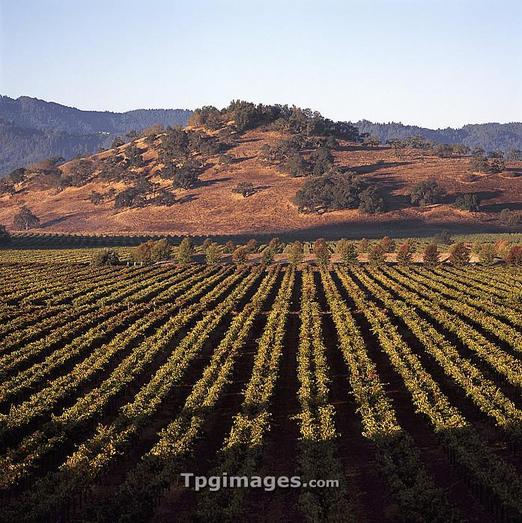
427, 62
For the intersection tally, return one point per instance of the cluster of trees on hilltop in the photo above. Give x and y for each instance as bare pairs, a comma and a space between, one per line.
247, 115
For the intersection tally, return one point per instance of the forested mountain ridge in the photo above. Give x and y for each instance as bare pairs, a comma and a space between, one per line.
488, 136
32, 129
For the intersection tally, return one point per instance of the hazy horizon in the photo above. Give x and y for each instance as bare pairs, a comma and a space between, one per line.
433, 64
193, 108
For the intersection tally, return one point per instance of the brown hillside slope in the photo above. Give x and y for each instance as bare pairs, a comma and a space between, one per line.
213, 209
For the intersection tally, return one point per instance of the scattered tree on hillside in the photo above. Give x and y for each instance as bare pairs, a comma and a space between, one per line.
187, 176
25, 219
371, 202
245, 189
96, 198
468, 202
134, 157
510, 218
427, 192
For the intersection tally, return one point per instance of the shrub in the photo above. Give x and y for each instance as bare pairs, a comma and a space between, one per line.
322, 253
426, 193
96, 198
212, 253
459, 254
295, 253
185, 251
251, 246
25, 219
388, 244
364, 245
514, 256
267, 257
229, 247
487, 254
152, 251
347, 252
430, 255
105, 257
405, 253
376, 256
245, 189
239, 256
468, 202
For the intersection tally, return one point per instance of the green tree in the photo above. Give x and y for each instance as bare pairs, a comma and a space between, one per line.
161, 250
347, 252
487, 254
322, 253
426, 193
212, 253
295, 253
185, 251
105, 257
245, 189
364, 245
267, 257
25, 219
468, 202
430, 255
459, 254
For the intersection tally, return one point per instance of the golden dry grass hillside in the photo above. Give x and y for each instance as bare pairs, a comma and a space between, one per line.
212, 208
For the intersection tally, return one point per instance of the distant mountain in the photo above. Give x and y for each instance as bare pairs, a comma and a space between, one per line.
33, 130
489, 136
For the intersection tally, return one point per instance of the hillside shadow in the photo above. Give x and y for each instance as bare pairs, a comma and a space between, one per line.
55, 221
497, 207
209, 183
243, 159
365, 169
